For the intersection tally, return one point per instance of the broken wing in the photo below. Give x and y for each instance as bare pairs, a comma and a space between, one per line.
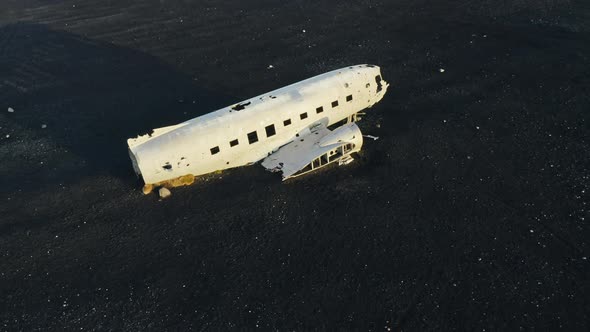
317, 149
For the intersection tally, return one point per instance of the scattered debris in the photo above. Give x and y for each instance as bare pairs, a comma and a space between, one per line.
378, 125
371, 136
10, 110
7, 136
43, 126
442, 70
164, 192
303, 30
270, 67
345, 160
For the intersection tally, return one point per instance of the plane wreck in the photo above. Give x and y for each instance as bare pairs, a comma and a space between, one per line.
294, 130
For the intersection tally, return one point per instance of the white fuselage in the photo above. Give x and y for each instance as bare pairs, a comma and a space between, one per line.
246, 132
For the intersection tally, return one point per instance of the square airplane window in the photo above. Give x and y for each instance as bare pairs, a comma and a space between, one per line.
287, 122
215, 150
252, 137
270, 130
319, 110
334, 103
349, 98
234, 142
303, 115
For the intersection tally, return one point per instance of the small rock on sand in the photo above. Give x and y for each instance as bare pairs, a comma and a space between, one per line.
164, 192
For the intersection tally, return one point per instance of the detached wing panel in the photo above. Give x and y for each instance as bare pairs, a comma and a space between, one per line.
296, 155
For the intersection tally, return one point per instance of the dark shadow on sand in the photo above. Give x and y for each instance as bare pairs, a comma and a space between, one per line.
91, 95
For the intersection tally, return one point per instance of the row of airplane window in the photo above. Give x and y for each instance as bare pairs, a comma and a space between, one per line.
270, 130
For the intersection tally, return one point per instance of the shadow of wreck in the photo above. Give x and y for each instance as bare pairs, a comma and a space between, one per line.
83, 99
